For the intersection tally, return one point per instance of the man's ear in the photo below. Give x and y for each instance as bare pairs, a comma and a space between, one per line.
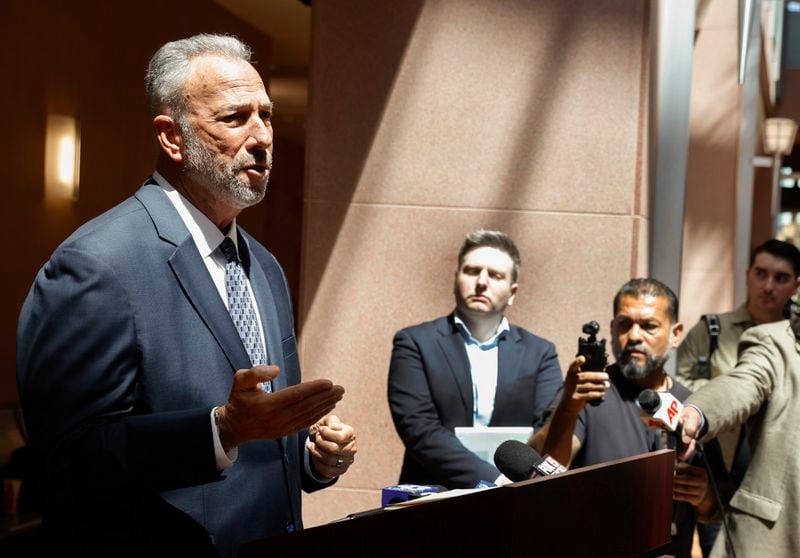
676, 334
513, 293
169, 137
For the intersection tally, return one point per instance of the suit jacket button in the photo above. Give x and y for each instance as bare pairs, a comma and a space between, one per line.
290, 526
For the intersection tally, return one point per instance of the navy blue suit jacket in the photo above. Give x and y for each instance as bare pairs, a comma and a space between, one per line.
124, 346
430, 393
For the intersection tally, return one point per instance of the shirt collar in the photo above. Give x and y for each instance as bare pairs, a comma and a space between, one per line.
207, 237
502, 329
742, 316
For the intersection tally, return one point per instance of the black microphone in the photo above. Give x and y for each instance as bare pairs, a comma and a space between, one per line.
519, 462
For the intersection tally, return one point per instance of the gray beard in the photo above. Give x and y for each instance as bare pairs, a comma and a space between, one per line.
217, 176
634, 371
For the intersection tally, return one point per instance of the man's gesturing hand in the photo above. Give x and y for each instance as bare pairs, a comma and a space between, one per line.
251, 414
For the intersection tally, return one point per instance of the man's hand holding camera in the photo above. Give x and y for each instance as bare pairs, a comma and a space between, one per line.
583, 386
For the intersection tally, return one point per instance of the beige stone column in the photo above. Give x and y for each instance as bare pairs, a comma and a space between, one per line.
429, 119
719, 179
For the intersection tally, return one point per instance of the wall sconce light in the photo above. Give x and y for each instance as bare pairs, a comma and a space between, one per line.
62, 158
779, 134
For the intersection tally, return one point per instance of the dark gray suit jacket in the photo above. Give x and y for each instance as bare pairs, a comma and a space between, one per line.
124, 346
430, 393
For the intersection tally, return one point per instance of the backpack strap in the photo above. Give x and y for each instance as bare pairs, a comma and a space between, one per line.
714, 328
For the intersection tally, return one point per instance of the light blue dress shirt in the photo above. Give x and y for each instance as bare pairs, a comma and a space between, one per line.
483, 368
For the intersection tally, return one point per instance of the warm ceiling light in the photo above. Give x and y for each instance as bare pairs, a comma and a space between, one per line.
779, 134
62, 158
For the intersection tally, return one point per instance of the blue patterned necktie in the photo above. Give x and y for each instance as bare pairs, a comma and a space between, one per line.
241, 308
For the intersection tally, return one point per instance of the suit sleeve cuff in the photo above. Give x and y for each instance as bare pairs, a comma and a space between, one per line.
703, 422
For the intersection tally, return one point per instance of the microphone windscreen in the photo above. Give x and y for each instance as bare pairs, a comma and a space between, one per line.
649, 400
516, 460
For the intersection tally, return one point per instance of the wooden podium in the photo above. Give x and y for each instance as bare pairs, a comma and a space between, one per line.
618, 509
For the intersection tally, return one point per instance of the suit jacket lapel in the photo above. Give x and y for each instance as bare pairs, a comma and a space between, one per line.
509, 364
192, 275
452, 344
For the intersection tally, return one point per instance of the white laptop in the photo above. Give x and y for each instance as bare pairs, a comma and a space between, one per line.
483, 440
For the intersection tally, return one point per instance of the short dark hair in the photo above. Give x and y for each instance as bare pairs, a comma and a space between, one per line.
780, 249
645, 286
480, 238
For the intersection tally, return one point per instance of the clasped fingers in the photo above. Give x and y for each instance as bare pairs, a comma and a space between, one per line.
333, 447
342, 436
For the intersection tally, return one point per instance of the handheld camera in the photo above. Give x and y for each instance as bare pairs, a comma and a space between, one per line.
593, 350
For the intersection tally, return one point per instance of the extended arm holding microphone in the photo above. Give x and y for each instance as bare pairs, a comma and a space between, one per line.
557, 437
691, 483
762, 391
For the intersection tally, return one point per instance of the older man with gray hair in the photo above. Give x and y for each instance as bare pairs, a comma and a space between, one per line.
157, 362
